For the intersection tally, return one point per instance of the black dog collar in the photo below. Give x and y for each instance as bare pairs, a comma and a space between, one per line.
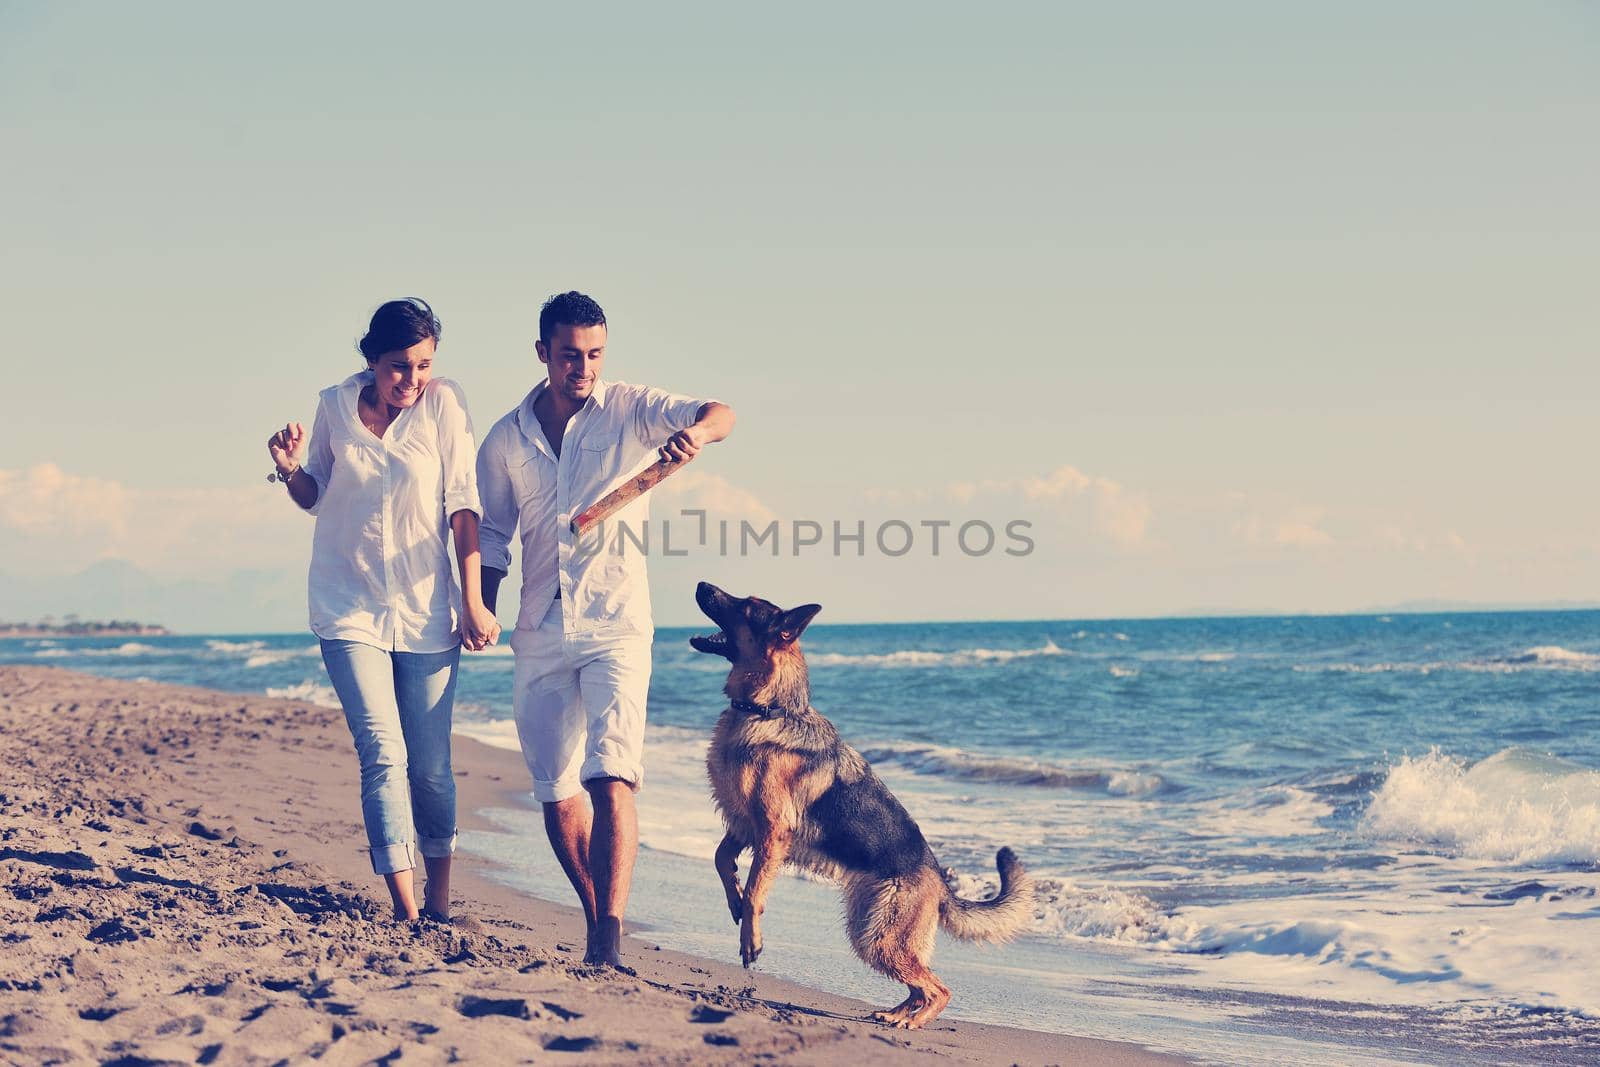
766, 711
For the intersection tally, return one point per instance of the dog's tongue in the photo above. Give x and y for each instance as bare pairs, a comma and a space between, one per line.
708, 642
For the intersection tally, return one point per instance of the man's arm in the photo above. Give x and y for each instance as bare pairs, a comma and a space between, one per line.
501, 510
491, 579
713, 422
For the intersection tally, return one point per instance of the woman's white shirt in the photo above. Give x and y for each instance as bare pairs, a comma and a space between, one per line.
380, 556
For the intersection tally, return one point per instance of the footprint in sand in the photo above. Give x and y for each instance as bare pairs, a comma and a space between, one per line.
61, 861
97, 1015
114, 932
474, 1007
571, 1044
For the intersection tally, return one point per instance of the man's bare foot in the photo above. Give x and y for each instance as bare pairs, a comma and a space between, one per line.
605, 944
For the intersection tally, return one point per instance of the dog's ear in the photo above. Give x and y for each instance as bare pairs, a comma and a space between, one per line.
789, 625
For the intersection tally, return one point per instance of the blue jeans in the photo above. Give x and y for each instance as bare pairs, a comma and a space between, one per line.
398, 707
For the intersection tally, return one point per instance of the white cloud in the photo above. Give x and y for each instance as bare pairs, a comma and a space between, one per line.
712, 493
54, 521
45, 498
1406, 539
1300, 528
1115, 513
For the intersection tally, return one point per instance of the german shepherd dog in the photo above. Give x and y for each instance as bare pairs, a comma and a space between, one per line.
792, 791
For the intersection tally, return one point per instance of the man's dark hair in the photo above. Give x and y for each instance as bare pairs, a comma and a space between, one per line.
568, 309
398, 325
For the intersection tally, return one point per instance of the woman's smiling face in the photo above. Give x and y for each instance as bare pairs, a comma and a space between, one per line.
401, 376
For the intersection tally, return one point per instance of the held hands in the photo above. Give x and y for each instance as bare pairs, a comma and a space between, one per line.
285, 447
479, 627
684, 445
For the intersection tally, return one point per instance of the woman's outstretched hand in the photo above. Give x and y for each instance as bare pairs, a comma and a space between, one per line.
479, 627
285, 447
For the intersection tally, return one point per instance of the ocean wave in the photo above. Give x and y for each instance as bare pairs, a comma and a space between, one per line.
1556, 656
219, 645
1543, 657
127, 648
310, 692
496, 733
1013, 770
918, 658
1387, 950
1063, 909
1517, 806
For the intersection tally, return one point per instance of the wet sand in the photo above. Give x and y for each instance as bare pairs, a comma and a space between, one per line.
181, 881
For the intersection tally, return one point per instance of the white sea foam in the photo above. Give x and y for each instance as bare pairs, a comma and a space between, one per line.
126, 649
1516, 806
1396, 940
1249, 818
1543, 657
310, 692
1063, 909
235, 646
1555, 655
498, 733
1123, 672
965, 657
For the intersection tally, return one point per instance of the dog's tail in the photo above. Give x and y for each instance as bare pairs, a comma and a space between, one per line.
1001, 917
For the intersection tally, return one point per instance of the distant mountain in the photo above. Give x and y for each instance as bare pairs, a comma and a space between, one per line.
1408, 607
1452, 607
246, 601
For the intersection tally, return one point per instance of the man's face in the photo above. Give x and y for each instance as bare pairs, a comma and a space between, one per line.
573, 357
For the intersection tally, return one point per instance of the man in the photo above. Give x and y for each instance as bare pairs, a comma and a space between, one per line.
582, 642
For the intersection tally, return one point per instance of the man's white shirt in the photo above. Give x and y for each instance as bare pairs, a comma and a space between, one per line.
523, 484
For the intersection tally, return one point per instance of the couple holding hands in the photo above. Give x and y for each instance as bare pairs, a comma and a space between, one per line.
393, 476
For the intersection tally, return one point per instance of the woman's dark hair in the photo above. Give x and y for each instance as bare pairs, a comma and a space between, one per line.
568, 309
399, 324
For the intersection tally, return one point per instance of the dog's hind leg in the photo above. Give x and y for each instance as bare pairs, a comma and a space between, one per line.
892, 925
728, 870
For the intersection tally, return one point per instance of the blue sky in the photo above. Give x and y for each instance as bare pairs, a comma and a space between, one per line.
1243, 306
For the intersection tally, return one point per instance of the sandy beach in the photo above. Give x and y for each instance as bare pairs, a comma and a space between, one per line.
180, 882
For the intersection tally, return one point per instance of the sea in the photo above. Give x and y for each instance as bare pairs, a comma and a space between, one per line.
1346, 839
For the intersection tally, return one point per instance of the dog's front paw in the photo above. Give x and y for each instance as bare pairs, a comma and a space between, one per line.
749, 942
735, 907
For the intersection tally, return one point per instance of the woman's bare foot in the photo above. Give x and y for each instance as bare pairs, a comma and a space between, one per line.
402, 892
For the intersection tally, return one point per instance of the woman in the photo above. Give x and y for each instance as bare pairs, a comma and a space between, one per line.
390, 469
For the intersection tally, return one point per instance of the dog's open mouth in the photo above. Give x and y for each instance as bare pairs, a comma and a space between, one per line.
717, 644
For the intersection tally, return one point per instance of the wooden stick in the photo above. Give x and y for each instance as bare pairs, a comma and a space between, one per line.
624, 494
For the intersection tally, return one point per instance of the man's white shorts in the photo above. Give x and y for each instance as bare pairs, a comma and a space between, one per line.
579, 704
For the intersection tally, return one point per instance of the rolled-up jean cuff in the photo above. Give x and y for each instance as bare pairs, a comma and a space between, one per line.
436, 847
552, 792
390, 859
612, 767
